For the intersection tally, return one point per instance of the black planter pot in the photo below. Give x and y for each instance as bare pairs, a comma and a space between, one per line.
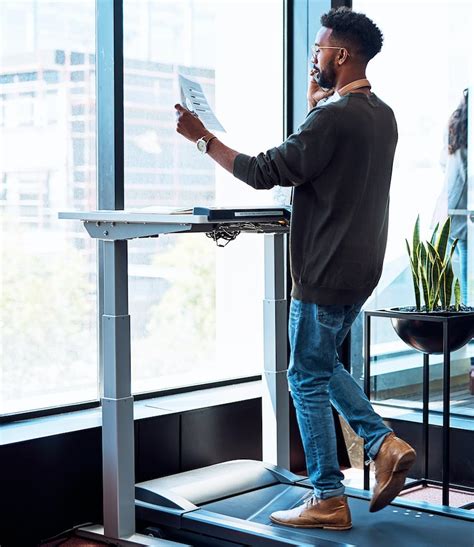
427, 336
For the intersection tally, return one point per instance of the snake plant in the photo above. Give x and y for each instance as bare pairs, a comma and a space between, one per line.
432, 270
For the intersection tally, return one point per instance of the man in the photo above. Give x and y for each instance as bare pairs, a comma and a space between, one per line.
340, 165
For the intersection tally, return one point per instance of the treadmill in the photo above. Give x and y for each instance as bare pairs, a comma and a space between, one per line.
230, 503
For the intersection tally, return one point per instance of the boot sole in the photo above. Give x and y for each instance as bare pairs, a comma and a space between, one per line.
396, 482
323, 526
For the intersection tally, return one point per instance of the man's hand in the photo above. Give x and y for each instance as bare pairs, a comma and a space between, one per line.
191, 127
188, 124
316, 93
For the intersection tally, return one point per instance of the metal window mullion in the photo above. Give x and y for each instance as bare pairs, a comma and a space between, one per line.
110, 130
114, 325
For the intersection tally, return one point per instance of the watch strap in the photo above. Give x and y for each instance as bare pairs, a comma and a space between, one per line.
208, 138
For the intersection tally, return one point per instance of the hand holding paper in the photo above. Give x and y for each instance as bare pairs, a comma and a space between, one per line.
193, 97
189, 125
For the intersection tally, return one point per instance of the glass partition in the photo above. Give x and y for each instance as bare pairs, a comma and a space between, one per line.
425, 73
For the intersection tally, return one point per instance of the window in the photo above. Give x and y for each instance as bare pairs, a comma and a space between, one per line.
2, 109
197, 310
48, 305
188, 298
51, 106
423, 82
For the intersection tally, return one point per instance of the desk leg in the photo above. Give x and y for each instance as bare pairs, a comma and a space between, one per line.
275, 396
117, 402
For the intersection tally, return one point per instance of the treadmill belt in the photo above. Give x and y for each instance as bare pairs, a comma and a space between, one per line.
391, 527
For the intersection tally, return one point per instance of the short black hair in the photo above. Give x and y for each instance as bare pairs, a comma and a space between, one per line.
355, 29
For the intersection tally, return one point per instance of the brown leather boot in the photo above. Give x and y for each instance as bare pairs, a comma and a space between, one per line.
331, 514
392, 464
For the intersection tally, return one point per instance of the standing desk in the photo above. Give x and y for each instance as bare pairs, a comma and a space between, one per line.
115, 228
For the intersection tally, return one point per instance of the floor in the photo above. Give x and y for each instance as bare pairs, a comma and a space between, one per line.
72, 542
462, 402
430, 494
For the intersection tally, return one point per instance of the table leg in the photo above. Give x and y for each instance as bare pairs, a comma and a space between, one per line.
117, 402
275, 396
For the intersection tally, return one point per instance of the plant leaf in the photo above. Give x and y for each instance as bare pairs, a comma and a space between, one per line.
424, 284
433, 237
449, 284
442, 290
423, 256
437, 279
414, 269
457, 294
416, 234
432, 274
442, 239
453, 247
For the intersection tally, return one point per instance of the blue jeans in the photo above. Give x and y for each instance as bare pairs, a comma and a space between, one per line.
317, 378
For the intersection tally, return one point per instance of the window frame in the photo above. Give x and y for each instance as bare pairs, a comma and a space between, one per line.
300, 23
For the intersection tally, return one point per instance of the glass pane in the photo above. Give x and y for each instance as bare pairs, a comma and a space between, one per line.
197, 310
423, 77
47, 138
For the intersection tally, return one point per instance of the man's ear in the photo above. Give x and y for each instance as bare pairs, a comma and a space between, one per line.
343, 55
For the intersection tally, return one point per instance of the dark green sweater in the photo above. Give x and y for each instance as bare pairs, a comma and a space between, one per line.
340, 163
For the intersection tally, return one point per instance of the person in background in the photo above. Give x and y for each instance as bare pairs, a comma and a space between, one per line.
453, 196
455, 165
456, 183
340, 165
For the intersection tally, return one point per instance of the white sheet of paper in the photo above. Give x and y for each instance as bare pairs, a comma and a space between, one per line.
193, 98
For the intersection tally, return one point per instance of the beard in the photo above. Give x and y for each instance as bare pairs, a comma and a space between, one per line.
327, 77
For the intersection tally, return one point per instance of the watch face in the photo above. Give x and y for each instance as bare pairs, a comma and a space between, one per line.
202, 145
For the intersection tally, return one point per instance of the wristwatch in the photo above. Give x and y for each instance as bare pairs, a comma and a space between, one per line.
203, 143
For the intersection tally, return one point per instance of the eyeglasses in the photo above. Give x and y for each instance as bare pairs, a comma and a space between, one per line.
315, 50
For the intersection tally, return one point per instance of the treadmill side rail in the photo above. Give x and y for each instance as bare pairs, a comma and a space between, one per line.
159, 515
252, 533
164, 498
283, 475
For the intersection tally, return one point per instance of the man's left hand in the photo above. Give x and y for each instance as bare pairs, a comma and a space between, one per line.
188, 124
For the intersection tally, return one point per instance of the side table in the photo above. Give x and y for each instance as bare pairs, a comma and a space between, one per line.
446, 325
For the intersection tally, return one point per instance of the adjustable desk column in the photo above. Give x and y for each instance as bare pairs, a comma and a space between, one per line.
117, 402
275, 396
118, 453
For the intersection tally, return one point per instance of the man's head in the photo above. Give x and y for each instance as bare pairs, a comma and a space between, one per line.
346, 41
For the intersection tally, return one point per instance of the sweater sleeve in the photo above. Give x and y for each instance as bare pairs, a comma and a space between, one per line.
301, 158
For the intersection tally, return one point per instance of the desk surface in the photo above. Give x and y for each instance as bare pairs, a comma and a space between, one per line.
122, 225
133, 217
